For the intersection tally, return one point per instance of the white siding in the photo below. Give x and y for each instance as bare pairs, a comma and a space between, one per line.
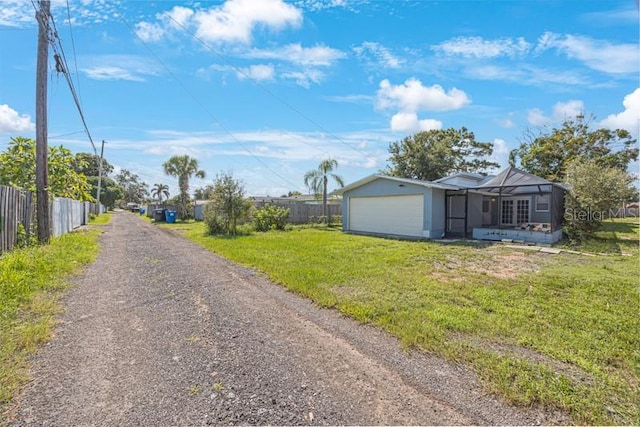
395, 215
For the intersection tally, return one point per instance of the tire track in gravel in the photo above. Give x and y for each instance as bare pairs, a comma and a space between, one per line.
159, 331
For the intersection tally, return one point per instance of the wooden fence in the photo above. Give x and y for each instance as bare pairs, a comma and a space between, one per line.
16, 207
304, 213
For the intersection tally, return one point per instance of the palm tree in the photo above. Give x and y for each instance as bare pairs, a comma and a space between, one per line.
317, 179
160, 191
183, 167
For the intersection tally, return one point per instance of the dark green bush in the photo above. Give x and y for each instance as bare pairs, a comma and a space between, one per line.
215, 223
270, 218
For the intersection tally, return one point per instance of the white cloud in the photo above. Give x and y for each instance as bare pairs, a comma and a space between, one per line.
16, 13
500, 153
129, 67
109, 72
12, 121
566, 110
304, 78
615, 17
352, 99
477, 47
377, 55
409, 122
307, 56
412, 96
179, 16
149, 32
536, 117
561, 111
21, 13
232, 22
599, 55
507, 122
235, 20
628, 119
257, 72
322, 4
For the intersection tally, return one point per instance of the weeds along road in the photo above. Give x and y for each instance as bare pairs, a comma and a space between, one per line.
161, 332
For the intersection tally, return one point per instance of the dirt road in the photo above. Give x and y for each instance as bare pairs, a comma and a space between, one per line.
159, 331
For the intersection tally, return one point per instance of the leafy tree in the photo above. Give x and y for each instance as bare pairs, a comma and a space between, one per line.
110, 191
594, 189
160, 191
228, 207
135, 190
434, 154
203, 193
18, 168
292, 194
174, 201
183, 167
548, 154
89, 165
317, 179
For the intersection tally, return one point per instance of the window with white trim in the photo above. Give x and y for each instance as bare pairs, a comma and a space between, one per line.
542, 202
522, 211
514, 211
507, 212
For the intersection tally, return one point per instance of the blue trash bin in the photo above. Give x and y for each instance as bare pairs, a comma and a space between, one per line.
170, 216
142, 211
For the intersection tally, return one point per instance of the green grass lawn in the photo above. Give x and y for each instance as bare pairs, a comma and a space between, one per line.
31, 281
101, 219
561, 331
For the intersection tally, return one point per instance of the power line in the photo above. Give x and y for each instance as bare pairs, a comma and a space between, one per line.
271, 93
205, 108
73, 46
63, 67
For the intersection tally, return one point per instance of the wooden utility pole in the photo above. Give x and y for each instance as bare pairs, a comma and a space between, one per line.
42, 171
100, 175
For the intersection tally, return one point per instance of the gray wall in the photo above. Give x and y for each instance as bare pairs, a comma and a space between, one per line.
436, 212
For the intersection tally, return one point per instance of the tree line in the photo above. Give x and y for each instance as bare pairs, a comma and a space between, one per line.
593, 163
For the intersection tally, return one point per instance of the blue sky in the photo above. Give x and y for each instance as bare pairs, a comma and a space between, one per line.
266, 89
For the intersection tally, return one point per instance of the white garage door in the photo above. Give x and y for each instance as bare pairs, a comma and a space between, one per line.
398, 215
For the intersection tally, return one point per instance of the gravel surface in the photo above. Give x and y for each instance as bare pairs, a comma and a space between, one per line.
159, 331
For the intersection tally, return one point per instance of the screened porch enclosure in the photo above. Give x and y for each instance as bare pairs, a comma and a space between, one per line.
514, 205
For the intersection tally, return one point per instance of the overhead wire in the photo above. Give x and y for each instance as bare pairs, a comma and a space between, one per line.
73, 46
213, 117
63, 67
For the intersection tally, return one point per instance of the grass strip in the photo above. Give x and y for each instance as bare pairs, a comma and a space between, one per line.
31, 282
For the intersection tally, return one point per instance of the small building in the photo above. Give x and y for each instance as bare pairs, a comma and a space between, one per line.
512, 205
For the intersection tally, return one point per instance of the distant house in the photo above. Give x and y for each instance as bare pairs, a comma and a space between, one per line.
512, 205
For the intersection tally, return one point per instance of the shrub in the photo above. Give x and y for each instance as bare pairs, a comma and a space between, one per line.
270, 218
26, 239
214, 223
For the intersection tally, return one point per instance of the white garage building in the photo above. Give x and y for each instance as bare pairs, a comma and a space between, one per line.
390, 206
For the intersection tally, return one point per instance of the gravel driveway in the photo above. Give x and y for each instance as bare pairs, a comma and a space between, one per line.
159, 331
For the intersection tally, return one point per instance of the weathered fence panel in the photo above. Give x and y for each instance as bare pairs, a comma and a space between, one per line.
68, 214
16, 207
304, 213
